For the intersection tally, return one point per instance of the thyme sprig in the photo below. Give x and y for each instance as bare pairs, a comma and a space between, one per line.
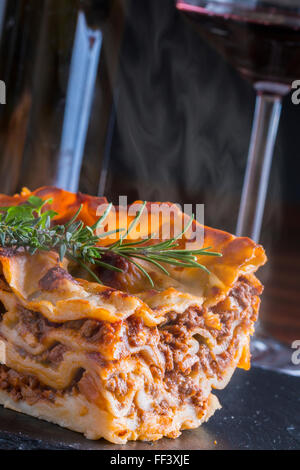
29, 226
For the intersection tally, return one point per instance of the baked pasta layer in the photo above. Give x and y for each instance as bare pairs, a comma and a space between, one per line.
122, 360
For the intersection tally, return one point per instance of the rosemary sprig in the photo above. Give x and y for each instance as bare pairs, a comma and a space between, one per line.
29, 226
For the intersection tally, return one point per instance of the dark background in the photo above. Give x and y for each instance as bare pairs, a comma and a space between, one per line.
171, 120
184, 119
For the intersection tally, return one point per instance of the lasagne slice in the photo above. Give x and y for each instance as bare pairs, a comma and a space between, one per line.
122, 360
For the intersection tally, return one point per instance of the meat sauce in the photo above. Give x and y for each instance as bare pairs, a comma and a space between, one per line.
172, 339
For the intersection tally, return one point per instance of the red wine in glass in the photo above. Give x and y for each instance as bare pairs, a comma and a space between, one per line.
261, 39
262, 43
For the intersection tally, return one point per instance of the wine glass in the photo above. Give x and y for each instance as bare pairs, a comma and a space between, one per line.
261, 39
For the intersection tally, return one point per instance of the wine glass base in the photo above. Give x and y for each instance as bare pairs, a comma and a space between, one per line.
270, 354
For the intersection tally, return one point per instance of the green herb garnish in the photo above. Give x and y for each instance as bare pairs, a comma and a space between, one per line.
28, 226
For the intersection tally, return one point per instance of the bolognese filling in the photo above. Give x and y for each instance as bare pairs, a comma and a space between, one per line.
178, 352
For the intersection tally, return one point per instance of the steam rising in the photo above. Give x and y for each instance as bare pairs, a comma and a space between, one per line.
184, 117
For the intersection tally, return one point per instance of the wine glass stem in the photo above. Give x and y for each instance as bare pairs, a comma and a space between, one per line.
264, 132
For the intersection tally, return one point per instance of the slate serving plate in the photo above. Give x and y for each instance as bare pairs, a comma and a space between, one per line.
260, 410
